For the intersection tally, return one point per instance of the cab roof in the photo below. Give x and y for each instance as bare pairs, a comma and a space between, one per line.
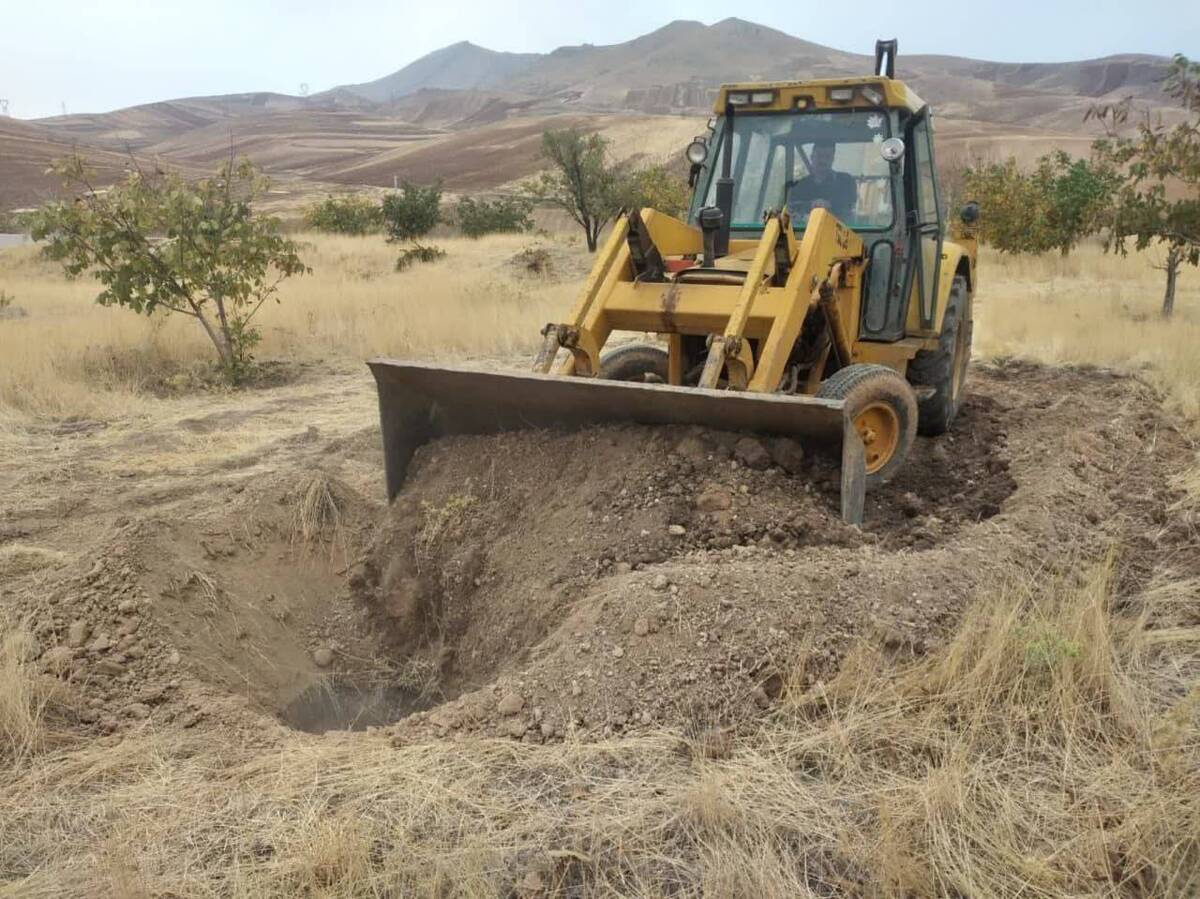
816, 94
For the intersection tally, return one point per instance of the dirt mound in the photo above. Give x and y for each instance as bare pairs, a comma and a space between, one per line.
536, 549
541, 585
627, 578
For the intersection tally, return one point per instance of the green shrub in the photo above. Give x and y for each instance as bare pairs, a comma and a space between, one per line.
476, 218
417, 253
354, 214
409, 215
413, 211
15, 222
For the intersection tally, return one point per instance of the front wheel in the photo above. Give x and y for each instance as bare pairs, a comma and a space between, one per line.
883, 407
635, 362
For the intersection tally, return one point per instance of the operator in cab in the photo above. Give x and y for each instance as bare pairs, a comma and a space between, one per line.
823, 187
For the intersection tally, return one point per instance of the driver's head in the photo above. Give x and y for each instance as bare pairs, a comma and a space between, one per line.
822, 157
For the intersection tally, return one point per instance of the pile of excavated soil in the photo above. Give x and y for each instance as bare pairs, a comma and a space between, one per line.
625, 578
541, 585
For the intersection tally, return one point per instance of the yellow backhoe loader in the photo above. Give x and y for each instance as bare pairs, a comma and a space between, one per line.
811, 292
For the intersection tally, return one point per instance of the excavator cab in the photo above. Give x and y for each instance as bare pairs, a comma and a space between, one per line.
810, 292
862, 148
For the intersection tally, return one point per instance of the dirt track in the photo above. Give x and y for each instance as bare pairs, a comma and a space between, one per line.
231, 563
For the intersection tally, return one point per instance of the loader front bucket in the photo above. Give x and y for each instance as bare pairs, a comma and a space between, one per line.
419, 402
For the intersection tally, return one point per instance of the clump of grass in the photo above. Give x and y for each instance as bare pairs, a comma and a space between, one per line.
316, 516
27, 700
19, 559
440, 523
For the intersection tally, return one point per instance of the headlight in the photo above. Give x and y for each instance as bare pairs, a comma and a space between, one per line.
762, 98
738, 98
892, 149
841, 94
697, 151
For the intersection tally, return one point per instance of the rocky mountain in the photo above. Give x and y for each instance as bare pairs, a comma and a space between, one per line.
461, 66
473, 116
676, 69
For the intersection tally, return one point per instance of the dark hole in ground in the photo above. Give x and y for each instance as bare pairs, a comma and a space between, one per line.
341, 703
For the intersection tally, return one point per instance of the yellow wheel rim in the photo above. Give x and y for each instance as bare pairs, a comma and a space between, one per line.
878, 426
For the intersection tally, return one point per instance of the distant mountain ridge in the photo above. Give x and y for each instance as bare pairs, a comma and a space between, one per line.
473, 117
676, 68
461, 66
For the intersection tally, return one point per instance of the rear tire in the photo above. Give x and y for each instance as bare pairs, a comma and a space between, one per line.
945, 369
883, 407
635, 362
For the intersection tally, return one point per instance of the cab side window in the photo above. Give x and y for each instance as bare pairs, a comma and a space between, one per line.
927, 208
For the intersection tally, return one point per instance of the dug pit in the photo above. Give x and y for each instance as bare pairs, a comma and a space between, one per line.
535, 548
543, 585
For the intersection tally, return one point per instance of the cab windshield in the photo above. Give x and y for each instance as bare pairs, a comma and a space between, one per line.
803, 161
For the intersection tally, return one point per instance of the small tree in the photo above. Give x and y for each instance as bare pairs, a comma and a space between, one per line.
656, 186
1054, 206
354, 214
409, 215
1159, 198
476, 218
157, 242
581, 181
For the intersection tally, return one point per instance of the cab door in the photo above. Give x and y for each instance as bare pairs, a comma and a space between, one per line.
924, 221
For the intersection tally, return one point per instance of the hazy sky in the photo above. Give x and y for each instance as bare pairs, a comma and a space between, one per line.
104, 54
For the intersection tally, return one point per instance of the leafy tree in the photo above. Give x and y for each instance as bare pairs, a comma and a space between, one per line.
1158, 201
657, 187
409, 215
581, 181
502, 215
1052, 207
592, 190
354, 214
157, 242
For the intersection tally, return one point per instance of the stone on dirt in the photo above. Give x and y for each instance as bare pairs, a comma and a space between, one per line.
787, 454
322, 656
511, 704
750, 452
713, 499
77, 633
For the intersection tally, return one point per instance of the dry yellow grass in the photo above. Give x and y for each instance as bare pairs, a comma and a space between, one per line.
72, 357
1093, 308
1043, 753
68, 356
1051, 750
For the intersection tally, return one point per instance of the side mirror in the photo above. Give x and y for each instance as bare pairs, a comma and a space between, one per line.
969, 213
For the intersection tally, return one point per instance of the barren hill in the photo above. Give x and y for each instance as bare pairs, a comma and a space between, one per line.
27, 151
136, 127
472, 116
459, 66
677, 67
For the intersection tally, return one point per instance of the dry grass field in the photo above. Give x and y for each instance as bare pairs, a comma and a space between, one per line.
68, 356
1048, 746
